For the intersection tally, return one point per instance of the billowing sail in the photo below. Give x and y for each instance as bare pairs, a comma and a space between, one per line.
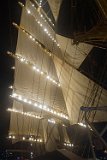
48, 88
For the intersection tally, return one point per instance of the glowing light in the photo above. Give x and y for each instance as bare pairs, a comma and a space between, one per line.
28, 11
10, 136
34, 67
45, 30
41, 25
35, 104
25, 100
30, 36
82, 124
23, 138
21, 59
48, 77
38, 70
13, 67
68, 144
40, 140
11, 87
41, 72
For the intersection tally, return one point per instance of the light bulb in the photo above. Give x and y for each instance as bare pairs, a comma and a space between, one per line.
41, 72
13, 67
35, 104
34, 67
21, 59
11, 87
14, 94
45, 30
38, 70
30, 36
41, 25
54, 112
28, 11
48, 77
23, 138
25, 100
13, 137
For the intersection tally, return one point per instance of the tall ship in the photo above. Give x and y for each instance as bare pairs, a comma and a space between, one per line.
59, 76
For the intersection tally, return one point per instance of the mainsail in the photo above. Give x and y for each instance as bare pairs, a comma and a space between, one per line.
48, 89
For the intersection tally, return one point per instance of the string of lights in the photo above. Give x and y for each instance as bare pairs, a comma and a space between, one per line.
24, 113
41, 24
82, 124
45, 29
33, 66
29, 115
41, 11
26, 138
40, 3
39, 106
68, 144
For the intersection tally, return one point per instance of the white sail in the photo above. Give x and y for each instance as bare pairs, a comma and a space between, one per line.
48, 89
38, 102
